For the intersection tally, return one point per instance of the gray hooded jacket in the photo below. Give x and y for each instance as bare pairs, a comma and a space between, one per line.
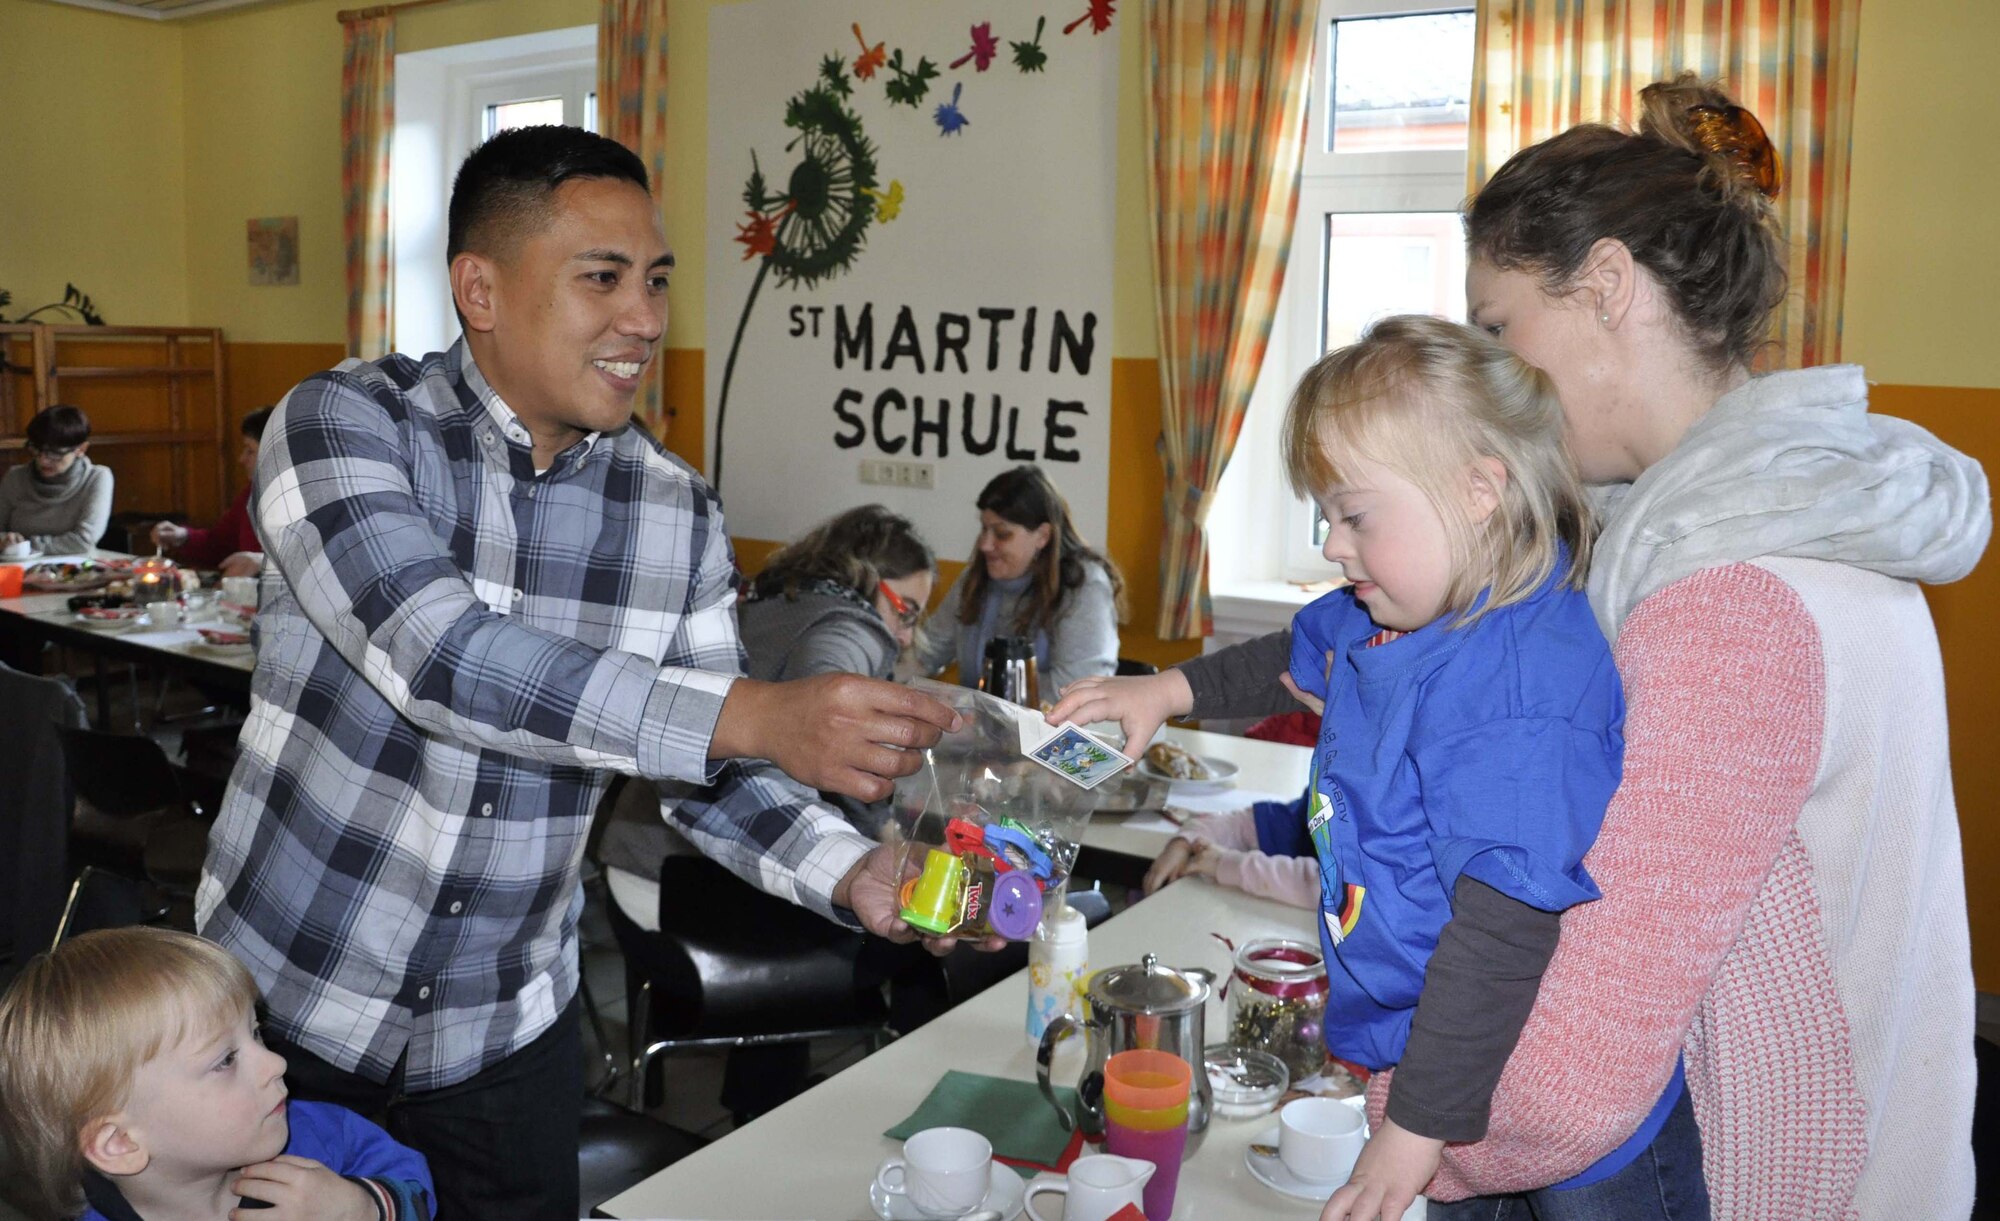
1792, 464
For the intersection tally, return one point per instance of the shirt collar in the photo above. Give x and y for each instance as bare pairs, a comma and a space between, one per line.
502, 416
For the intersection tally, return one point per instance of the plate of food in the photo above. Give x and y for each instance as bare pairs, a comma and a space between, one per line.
68, 577
221, 642
112, 618
1187, 772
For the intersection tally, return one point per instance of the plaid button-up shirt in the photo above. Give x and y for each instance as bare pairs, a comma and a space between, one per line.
453, 653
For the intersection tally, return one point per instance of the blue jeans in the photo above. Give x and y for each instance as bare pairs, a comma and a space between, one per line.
1663, 1183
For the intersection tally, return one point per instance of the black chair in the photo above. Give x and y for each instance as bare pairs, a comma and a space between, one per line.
101, 899
1132, 667
618, 1150
127, 780
34, 813
734, 967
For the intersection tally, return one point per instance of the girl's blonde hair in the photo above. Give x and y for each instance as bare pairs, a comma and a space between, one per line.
77, 1024
1427, 398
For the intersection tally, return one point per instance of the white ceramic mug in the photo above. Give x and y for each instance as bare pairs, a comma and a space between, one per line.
240, 590
1319, 1138
943, 1171
1095, 1188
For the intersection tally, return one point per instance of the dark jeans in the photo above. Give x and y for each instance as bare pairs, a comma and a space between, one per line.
502, 1145
1663, 1183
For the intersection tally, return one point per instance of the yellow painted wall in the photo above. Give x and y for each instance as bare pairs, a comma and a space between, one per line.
1923, 250
91, 181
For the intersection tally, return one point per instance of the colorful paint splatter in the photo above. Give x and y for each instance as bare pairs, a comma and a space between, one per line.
950, 119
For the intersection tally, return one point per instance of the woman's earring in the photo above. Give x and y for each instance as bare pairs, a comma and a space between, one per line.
1605, 319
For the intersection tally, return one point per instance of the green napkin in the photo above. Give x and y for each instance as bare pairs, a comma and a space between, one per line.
1012, 1114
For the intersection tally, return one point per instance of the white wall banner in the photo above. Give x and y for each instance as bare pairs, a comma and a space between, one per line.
910, 223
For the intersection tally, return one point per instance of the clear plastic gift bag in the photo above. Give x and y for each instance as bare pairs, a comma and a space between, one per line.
980, 820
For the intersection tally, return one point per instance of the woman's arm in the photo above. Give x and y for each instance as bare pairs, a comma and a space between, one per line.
937, 647
1083, 636
1724, 685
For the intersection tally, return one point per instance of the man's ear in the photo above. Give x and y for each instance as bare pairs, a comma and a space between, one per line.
110, 1147
1485, 484
472, 283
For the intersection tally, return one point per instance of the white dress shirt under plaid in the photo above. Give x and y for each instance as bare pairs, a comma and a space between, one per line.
454, 652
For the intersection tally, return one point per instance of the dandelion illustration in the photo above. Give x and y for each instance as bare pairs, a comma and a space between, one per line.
984, 47
889, 203
816, 224
1098, 15
910, 85
950, 119
870, 58
1029, 56
833, 73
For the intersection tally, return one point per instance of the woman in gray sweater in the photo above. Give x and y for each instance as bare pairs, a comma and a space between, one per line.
1031, 575
60, 503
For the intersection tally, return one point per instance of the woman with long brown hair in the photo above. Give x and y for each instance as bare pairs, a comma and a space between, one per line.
1031, 575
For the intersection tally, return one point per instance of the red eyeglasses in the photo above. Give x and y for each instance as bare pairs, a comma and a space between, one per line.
907, 611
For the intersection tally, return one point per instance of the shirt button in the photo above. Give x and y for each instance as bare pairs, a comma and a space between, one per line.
486, 811
424, 993
532, 491
517, 595
456, 907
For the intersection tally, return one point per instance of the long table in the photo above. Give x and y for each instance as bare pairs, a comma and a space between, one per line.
815, 1156
46, 616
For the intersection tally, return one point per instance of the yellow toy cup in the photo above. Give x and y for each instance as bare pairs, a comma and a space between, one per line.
934, 900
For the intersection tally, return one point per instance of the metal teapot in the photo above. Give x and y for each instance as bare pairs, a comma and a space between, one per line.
1133, 1007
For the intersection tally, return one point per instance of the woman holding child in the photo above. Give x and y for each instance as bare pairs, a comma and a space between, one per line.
1756, 569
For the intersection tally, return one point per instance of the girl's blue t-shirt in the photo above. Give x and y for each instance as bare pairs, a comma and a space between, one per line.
1489, 751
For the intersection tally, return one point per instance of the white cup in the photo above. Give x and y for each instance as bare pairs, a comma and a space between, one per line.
943, 1171
240, 590
1319, 1138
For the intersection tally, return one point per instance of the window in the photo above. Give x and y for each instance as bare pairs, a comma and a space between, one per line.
448, 101
1378, 233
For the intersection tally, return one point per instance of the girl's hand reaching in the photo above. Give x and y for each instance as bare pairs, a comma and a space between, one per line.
1182, 857
1140, 705
1395, 1165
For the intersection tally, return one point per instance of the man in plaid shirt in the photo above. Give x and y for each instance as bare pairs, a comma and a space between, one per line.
487, 594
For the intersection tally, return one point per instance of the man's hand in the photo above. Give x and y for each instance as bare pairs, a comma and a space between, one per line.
243, 564
873, 891
838, 732
167, 534
1139, 705
1395, 1165
300, 1189
1181, 858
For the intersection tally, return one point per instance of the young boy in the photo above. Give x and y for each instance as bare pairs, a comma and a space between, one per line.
134, 1085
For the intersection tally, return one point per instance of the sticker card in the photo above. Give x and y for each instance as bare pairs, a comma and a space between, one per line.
1079, 758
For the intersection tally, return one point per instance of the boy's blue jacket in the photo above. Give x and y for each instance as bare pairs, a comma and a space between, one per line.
1489, 750
395, 1176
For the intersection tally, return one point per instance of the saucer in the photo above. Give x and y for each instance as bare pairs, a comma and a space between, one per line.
29, 558
1273, 1173
1005, 1193
1220, 779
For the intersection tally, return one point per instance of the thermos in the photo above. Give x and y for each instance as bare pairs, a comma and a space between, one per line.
1009, 672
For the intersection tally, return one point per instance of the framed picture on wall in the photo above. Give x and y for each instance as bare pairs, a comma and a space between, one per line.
274, 250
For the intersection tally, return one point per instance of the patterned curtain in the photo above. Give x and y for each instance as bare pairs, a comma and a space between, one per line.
367, 118
1544, 65
632, 109
1226, 87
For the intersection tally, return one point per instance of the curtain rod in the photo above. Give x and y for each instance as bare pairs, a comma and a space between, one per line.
381, 10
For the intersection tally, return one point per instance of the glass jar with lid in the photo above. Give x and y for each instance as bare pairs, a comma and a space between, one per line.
1277, 1003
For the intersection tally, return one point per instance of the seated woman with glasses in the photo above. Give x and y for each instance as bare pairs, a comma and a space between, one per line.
60, 502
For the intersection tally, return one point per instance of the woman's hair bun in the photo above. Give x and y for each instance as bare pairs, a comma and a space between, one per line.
1690, 113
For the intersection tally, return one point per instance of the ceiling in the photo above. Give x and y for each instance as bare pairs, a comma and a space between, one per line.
160, 10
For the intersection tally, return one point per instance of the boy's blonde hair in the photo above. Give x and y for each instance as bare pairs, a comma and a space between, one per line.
77, 1024
1426, 398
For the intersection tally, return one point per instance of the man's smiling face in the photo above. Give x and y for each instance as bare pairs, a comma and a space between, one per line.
576, 310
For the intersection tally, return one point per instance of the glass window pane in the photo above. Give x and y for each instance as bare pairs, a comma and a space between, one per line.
590, 111
529, 112
1401, 83
1382, 263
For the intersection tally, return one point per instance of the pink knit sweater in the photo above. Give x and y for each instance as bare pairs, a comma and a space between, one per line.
1776, 875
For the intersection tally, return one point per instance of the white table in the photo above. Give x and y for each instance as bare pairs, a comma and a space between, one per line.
1265, 769
815, 1156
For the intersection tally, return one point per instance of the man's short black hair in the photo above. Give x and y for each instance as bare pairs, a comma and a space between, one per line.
504, 188
59, 427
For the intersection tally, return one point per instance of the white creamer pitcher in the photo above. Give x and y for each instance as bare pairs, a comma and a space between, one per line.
1097, 1187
